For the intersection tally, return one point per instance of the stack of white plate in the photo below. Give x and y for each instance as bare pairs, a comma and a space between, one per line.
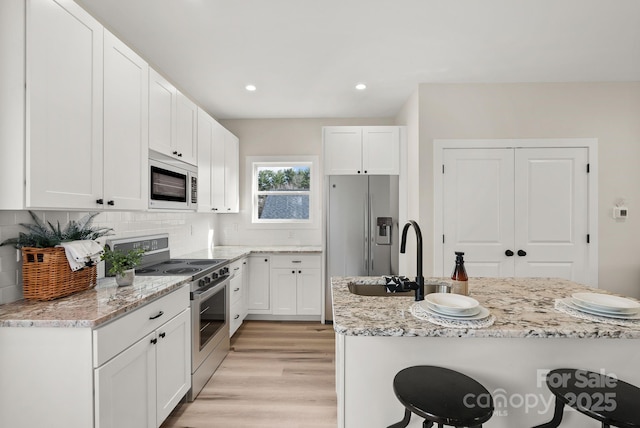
604, 305
454, 306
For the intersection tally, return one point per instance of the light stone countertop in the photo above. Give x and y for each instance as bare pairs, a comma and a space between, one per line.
233, 253
91, 308
523, 307
106, 301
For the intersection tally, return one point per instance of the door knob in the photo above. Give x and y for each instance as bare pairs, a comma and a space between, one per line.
522, 253
508, 253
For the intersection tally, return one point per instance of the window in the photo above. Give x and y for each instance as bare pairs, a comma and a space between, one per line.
282, 192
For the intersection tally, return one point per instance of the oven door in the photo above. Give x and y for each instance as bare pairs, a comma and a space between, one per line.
210, 316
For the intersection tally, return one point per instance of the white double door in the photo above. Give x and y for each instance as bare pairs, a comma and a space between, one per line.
517, 212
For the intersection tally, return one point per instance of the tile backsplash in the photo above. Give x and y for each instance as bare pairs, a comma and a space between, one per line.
187, 232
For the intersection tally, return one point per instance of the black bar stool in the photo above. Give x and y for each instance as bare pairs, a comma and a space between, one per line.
604, 398
441, 396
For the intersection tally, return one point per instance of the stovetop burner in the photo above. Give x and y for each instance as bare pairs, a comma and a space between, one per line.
181, 271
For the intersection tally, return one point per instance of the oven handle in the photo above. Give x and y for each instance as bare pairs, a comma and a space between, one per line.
210, 292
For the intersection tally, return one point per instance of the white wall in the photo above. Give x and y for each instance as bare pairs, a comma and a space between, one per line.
609, 112
275, 137
409, 116
187, 232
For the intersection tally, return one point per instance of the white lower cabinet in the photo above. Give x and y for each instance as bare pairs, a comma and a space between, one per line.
295, 285
259, 299
142, 384
129, 372
237, 291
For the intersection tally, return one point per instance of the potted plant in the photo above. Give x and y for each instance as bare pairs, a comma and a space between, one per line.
46, 274
122, 264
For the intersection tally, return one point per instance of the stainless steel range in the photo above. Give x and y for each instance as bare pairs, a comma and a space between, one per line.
209, 301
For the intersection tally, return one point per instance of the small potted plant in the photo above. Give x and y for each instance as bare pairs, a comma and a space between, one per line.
122, 264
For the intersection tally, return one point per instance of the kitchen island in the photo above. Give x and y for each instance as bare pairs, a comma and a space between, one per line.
378, 336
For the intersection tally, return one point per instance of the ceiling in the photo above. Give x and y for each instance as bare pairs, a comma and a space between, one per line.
305, 56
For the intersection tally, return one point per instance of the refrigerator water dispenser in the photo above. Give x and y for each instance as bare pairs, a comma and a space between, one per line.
383, 236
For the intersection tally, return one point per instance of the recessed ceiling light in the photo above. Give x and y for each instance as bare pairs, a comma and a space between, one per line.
361, 86
250, 88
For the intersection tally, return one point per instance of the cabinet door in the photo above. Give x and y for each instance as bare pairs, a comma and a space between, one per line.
64, 114
381, 150
125, 388
205, 141
308, 292
231, 172
283, 291
259, 285
237, 301
162, 113
126, 126
186, 147
218, 169
342, 150
173, 357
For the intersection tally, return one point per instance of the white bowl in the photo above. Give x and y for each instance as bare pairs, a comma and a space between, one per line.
452, 303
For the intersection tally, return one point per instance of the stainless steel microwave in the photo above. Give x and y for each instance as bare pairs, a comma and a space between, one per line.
173, 185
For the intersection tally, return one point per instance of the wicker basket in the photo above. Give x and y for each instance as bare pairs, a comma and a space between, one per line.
46, 274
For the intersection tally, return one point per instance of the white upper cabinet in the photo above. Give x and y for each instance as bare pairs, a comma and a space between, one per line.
224, 171
126, 118
162, 113
218, 167
64, 98
352, 150
173, 120
186, 130
206, 125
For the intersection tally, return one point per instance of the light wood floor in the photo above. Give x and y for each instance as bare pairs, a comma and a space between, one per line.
277, 374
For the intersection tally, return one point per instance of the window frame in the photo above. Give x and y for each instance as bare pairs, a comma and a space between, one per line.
255, 162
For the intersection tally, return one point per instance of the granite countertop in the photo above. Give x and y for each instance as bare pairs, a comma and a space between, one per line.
523, 307
91, 308
233, 253
107, 301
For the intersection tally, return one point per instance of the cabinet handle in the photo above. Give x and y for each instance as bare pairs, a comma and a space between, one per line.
214, 209
162, 335
522, 253
154, 341
293, 271
236, 268
236, 289
296, 261
179, 155
112, 203
236, 317
228, 209
358, 172
157, 316
175, 152
266, 260
100, 201
299, 271
508, 253
365, 171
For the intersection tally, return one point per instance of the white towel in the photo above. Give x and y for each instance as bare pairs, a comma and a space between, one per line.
82, 253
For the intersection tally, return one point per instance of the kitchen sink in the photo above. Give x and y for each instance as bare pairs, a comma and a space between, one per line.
375, 290
380, 290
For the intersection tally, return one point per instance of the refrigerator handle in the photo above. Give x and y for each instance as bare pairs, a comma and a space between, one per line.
372, 232
366, 234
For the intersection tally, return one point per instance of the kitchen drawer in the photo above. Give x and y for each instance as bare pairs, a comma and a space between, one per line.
235, 291
295, 261
118, 335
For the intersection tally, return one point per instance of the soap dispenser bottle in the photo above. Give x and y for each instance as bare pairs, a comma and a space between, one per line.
459, 279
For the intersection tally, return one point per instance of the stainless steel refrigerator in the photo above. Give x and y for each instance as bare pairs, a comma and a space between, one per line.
362, 228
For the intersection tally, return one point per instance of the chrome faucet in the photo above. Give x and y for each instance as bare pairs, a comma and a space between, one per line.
418, 285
